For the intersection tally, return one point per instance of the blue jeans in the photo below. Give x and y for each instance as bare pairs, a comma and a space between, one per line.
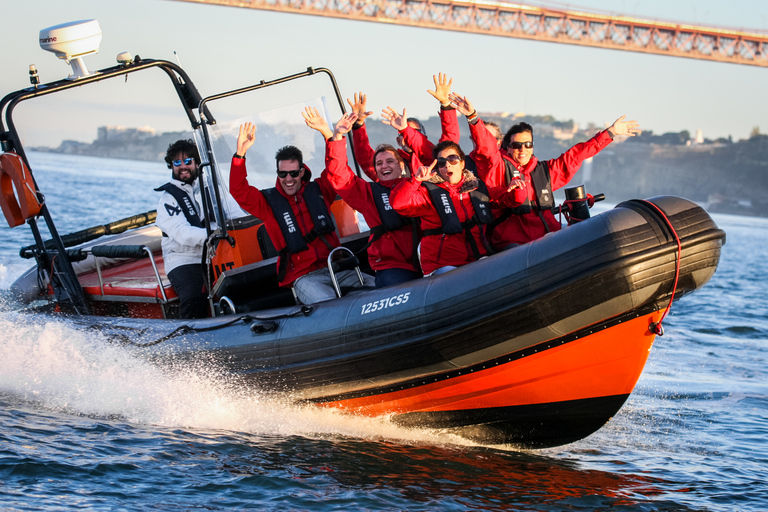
393, 276
318, 287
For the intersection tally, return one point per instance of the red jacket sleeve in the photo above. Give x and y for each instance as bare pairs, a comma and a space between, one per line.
449, 122
420, 145
326, 188
501, 198
248, 197
352, 189
565, 166
487, 156
364, 152
409, 198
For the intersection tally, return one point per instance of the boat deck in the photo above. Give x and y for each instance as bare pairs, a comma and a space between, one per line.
130, 285
135, 278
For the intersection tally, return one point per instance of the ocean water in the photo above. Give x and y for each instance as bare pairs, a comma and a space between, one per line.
86, 426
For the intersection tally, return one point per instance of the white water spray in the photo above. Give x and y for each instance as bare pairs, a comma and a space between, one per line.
55, 366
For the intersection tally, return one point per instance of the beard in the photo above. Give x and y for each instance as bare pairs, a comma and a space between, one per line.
186, 179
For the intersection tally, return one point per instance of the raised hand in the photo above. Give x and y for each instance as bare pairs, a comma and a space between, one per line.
423, 173
246, 137
358, 107
394, 119
314, 120
622, 127
516, 183
344, 125
462, 104
442, 89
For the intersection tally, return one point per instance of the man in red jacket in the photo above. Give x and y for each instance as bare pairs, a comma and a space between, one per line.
514, 163
391, 246
297, 216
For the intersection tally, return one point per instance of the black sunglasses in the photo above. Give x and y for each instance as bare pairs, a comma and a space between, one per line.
452, 159
284, 174
521, 145
177, 163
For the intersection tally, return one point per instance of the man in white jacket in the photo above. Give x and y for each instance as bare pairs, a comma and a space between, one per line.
180, 217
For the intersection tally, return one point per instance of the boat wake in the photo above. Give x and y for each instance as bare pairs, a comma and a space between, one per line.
53, 366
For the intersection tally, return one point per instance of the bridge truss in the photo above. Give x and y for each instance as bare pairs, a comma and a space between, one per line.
526, 22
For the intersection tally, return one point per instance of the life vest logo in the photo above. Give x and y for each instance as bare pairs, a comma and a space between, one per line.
172, 210
189, 206
545, 195
289, 222
446, 204
385, 200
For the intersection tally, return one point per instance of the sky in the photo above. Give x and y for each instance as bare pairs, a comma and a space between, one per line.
224, 48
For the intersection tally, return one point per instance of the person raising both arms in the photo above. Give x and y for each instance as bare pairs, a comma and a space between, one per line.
394, 238
514, 162
296, 212
448, 121
361, 144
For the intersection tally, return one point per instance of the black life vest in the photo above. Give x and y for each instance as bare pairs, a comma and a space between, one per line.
441, 198
390, 220
451, 225
295, 241
542, 186
541, 181
185, 202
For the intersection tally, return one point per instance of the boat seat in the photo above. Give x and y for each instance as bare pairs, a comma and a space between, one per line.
137, 283
250, 288
254, 286
265, 243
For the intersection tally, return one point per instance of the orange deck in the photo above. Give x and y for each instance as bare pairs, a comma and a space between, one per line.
132, 285
132, 279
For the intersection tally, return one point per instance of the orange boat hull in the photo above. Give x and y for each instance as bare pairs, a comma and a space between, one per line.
596, 370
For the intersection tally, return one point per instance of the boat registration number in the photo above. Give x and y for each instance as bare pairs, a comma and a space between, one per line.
385, 303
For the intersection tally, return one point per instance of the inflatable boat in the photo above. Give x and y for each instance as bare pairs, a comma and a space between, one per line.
536, 346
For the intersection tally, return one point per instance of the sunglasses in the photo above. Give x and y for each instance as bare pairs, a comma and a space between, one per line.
187, 161
450, 159
521, 145
284, 174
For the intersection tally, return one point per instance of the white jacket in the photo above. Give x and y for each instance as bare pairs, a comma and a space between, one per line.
184, 243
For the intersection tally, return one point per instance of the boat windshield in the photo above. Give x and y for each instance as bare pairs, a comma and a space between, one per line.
274, 129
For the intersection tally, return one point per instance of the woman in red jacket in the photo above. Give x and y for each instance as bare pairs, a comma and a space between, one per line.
514, 163
453, 206
391, 250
